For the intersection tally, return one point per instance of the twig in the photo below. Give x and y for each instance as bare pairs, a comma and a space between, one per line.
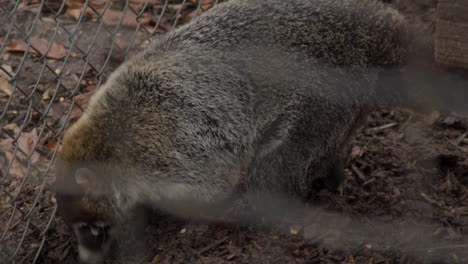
368, 182
461, 138
430, 200
213, 245
375, 129
359, 173
442, 247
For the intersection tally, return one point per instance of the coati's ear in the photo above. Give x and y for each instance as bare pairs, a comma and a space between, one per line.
83, 177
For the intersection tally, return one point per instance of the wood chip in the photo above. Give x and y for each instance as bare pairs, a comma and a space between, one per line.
213, 245
461, 138
386, 126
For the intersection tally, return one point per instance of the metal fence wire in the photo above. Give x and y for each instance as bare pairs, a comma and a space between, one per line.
53, 55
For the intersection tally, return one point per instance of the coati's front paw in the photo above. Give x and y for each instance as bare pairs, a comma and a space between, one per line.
335, 182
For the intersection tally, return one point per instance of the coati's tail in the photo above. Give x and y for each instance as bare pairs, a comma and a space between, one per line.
417, 83
423, 88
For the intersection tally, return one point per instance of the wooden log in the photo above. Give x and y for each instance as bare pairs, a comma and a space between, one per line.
451, 35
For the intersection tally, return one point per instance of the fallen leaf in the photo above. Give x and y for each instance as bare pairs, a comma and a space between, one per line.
54, 5
113, 17
97, 4
356, 152
74, 12
5, 144
75, 8
52, 146
16, 45
82, 100
139, 4
47, 94
165, 25
5, 86
110, 17
203, 2
60, 109
90, 86
295, 229
11, 126
206, 4
187, 18
16, 168
56, 52
6, 71
26, 142
432, 117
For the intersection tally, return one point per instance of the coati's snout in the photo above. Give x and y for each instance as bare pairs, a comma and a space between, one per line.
95, 241
86, 209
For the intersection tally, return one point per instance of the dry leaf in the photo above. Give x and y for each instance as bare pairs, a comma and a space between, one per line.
356, 152
432, 117
11, 126
59, 110
113, 17
5, 86
75, 8
74, 12
97, 4
56, 52
295, 229
26, 142
52, 146
187, 18
110, 17
16, 168
203, 2
8, 69
90, 85
82, 100
139, 4
5, 144
47, 94
16, 45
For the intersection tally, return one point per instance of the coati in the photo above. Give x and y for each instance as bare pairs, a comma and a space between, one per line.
271, 88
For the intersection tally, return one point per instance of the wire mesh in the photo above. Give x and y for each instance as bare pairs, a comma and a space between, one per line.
53, 55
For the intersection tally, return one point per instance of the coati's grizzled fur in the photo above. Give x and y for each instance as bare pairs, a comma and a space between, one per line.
271, 87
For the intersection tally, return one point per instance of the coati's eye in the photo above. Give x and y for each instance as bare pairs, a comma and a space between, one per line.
83, 176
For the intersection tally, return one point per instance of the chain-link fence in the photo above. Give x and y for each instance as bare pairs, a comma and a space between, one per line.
53, 55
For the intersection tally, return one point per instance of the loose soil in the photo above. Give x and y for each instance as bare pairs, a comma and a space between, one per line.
405, 198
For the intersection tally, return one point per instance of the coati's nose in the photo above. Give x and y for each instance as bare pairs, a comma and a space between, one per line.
89, 256
94, 242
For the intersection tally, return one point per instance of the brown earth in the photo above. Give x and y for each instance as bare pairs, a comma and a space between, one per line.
405, 199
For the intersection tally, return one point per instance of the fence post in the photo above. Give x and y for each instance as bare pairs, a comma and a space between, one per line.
451, 38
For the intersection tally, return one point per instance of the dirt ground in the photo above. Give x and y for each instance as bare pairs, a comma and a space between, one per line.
405, 198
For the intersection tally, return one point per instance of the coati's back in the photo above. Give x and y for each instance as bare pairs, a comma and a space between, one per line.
271, 87
343, 32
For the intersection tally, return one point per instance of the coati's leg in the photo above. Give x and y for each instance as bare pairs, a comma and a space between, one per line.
281, 171
335, 176
331, 174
